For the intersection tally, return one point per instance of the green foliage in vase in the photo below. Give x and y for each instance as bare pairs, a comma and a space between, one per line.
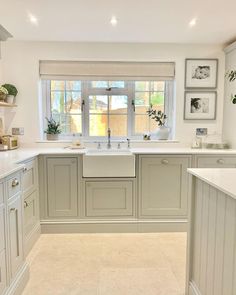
53, 127
231, 76
158, 116
11, 89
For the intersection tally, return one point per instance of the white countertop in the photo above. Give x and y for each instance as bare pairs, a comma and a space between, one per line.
9, 161
223, 179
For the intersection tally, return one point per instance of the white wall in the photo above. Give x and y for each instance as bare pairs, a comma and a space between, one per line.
229, 123
20, 61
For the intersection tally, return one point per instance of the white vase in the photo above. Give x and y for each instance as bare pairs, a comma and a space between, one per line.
163, 133
10, 99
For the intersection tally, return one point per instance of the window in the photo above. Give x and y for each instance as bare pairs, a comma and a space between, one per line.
91, 107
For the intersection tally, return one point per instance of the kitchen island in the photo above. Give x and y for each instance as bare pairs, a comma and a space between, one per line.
211, 267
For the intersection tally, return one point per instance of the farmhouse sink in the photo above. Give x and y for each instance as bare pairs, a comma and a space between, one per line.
108, 163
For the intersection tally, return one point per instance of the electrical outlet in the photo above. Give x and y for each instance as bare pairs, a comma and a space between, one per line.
201, 131
17, 131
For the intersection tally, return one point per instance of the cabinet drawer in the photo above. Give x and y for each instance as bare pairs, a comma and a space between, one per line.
3, 272
1, 194
2, 227
216, 162
30, 212
106, 199
29, 180
13, 185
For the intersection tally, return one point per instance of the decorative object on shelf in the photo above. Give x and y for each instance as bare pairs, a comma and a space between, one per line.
231, 76
200, 105
146, 137
52, 130
201, 73
12, 93
163, 131
3, 93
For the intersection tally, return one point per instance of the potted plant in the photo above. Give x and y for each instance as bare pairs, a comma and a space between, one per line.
231, 76
3, 93
12, 92
163, 131
52, 130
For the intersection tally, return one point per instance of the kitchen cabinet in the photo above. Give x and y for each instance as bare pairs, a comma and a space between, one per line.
31, 213
15, 232
30, 177
163, 186
62, 186
3, 272
106, 199
216, 161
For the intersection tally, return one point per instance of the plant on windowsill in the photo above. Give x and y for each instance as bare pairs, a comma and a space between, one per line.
12, 93
3, 93
160, 117
231, 76
52, 130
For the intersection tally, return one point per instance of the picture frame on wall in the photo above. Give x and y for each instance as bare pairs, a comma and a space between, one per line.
201, 73
200, 105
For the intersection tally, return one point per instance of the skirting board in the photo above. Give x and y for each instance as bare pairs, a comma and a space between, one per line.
19, 282
193, 290
48, 227
32, 238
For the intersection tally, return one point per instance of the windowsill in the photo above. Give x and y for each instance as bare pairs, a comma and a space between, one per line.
115, 140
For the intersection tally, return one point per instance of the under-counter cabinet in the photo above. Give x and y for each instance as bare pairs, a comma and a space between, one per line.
3, 265
219, 161
109, 198
163, 186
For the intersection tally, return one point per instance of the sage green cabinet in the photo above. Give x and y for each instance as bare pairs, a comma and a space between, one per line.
163, 186
215, 161
62, 186
106, 199
31, 212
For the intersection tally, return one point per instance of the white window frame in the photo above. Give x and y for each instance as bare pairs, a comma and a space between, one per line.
129, 90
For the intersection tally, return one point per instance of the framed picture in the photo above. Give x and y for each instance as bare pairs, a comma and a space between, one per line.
200, 105
201, 73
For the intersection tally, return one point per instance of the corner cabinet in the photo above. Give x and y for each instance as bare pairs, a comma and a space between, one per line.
163, 186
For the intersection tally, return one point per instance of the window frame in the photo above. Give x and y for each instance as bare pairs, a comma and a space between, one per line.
129, 90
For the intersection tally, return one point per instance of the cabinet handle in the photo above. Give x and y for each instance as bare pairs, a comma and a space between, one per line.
15, 182
220, 161
165, 162
12, 209
25, 204
24, 169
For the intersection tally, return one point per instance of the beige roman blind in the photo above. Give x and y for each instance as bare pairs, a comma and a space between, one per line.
105, 70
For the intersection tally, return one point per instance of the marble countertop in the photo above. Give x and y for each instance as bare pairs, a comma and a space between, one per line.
10, 161
222, 179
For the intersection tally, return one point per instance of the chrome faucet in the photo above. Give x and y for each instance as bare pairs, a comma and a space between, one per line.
108, 138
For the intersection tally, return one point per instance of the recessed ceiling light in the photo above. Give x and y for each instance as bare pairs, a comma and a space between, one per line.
113, 21
193, 22
33, 19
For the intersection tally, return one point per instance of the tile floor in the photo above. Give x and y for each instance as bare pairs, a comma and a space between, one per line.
108, 264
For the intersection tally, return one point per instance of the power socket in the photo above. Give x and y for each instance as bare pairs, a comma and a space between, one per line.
17, 131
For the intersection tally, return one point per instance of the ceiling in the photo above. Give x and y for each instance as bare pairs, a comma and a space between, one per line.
165, 21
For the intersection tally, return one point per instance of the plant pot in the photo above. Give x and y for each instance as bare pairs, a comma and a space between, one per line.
163, 133
10, 99
3, 96
52, 136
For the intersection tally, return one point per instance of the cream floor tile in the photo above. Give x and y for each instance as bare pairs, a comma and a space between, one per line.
102, 264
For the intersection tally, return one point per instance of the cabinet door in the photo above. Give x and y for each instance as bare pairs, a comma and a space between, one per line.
216, 162
30, 212
30, 175
106, 199
163, 186
3, 272
15, 233
2, 228
62, 187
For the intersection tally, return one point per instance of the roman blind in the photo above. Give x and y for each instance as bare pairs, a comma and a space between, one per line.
99, 70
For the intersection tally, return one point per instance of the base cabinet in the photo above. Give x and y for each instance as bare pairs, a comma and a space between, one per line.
3, 272
215, 162
106, 199
31, 214
163, 186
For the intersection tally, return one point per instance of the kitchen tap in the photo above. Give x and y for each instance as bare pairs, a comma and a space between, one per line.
109, 138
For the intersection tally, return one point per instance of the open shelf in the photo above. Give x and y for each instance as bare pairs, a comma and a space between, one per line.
8, 105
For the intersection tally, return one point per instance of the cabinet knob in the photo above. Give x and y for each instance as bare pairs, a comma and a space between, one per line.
15, 182
24, 169
165, 162
25, 204
220, 161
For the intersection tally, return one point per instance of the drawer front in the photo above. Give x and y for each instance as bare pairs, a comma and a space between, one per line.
216, 162
2, 227
106, 199
3, 272
1, 194
30, 212
14, 185
29, 180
